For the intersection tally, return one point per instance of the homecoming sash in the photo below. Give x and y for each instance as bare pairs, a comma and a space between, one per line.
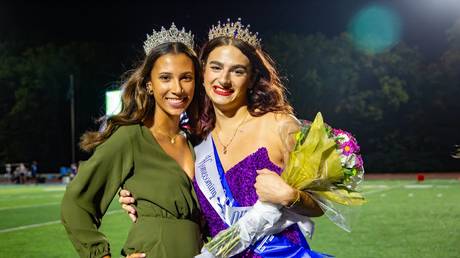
210, 178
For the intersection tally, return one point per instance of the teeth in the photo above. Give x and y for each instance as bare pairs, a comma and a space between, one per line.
224, 90
175, 100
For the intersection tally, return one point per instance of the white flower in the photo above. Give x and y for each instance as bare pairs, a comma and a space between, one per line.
351, 161
348, 161
342, 138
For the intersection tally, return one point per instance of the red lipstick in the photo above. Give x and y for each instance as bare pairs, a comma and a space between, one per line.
222, 91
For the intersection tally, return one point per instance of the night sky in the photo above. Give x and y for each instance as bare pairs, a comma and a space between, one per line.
125, 23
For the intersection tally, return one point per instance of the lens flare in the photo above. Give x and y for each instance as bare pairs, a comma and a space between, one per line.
375, 29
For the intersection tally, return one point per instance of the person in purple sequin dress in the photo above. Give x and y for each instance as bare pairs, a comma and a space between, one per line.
249, 119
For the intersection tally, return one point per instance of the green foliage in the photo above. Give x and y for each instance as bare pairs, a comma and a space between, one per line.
35, 107
386, 99
335, 76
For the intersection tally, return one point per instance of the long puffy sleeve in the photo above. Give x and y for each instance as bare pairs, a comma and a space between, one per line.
88, 196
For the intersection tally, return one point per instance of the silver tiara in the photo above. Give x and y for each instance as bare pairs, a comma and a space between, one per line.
234, 30
167, 36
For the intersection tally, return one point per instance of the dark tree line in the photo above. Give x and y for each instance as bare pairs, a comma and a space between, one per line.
35, 99
403, 109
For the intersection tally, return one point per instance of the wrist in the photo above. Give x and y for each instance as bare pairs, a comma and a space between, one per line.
293, 196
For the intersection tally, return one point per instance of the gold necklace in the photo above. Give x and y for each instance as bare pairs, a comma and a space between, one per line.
172, 140
225, 146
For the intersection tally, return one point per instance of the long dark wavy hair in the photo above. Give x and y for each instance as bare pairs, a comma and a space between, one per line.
267, 94
137, 104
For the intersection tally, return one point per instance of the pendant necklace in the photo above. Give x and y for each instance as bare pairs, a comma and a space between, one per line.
172, 140
225, 146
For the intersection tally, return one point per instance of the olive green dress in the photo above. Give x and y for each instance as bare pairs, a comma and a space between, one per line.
168, 212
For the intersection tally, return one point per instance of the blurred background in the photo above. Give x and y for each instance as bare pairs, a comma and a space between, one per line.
388, 71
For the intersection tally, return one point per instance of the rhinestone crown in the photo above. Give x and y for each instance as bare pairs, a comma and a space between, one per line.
234, 30
166, 36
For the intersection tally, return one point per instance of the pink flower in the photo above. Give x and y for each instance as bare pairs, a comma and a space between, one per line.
344, 139
348, 148
359, 162
338, 132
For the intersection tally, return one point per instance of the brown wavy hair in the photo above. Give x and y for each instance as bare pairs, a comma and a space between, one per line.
137, 104
266, 95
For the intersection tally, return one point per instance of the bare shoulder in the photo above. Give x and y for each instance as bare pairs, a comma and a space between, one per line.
277, 127
285, 118
276, 131
281, 122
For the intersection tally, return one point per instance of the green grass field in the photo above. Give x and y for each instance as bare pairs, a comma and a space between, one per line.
401, 219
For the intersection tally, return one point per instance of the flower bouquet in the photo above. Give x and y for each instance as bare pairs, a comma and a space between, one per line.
324, 162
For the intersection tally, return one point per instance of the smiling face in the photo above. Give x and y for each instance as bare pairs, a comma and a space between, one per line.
227, 77
172, 83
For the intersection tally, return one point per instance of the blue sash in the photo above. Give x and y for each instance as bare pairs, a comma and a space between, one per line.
209, 179
223, 181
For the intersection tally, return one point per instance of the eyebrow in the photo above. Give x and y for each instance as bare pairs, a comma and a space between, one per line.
182, 74
186, 73
232, 67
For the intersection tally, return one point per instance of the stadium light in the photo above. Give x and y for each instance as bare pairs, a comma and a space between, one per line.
112, 102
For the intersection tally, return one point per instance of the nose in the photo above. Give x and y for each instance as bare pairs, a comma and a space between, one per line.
177, 87
224, 78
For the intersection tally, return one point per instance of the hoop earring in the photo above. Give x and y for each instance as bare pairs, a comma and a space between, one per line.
149, 89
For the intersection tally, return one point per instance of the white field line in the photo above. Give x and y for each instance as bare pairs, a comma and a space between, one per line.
374, 186
422, 186
412, 186
29, 206
38, 196
381, 189
384, 188
57, 189
443, 186
45, 223
36, 192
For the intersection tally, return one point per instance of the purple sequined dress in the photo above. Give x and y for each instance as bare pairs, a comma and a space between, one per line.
241, 179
